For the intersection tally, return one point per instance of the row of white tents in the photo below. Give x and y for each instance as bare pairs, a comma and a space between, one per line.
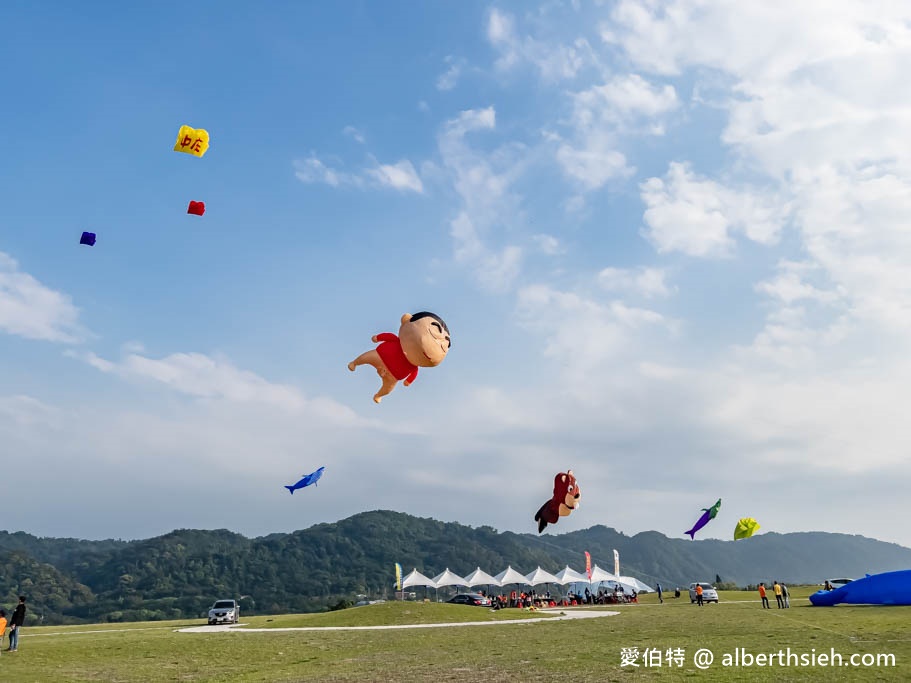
510, 576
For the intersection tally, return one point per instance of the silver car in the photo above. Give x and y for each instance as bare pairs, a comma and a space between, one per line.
224, 612
709, 594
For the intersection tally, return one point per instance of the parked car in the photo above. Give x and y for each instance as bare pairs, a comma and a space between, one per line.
470, 599
709, 594
224, 612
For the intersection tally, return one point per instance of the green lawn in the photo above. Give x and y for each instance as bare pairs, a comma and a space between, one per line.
583, 650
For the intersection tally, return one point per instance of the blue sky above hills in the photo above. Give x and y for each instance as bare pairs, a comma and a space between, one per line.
670, 241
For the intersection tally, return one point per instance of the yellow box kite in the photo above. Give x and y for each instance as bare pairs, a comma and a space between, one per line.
193, 141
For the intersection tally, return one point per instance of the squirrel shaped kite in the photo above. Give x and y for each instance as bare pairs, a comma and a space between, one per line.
566, 498
423, 341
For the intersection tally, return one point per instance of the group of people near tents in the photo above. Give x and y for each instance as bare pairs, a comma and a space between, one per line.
571, 599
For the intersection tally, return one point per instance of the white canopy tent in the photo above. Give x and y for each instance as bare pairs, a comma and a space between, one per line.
637, 584
481, 578
510, 575
628, 584
599, 575
415, 578
539, 576
447, 578
567, 575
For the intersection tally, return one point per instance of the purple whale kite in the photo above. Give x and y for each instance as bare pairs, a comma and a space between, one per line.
707, 515
307, 479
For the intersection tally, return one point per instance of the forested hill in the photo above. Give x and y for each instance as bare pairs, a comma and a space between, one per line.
180, 574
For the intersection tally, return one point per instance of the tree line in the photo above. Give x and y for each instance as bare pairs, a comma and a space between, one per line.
180, 574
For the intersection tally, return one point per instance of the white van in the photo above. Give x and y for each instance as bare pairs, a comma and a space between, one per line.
224, 612
709, 594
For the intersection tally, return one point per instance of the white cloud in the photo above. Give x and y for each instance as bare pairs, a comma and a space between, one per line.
548, 244
790, 285
450, 78
595, 165
817, 109
799, 78
603, 116
585, 335
554, 62
216, 378
648, 282
482, 181
828, 420
32, 310
854, 227
312, 170
768, 41
624, 98
696, 215
25, 411
472, 119
494, 269
354, 133
816, 102
399, 176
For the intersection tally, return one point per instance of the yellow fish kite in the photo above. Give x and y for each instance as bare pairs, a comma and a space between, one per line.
745, 528
193, 141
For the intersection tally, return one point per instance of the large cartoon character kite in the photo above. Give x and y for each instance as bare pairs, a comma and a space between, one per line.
566, 498
423, 341
707, 515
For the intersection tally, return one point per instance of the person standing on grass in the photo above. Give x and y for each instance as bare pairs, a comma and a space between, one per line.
15, 624
2, 625
699, 595
660, 599
786, 596
765, 600
777, 588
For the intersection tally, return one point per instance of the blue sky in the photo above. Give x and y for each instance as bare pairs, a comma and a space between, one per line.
669, 243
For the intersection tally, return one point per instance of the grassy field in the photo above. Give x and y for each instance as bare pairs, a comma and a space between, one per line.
583, 650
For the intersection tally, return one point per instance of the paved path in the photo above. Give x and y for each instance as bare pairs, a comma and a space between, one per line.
563, 615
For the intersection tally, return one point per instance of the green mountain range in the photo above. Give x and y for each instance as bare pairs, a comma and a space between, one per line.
180, 574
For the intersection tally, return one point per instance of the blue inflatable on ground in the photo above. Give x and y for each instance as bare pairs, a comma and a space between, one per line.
890, 588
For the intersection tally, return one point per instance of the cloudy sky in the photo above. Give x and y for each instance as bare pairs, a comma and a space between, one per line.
670, 239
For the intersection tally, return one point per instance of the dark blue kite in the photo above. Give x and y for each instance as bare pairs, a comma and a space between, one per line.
308, 479
88, 238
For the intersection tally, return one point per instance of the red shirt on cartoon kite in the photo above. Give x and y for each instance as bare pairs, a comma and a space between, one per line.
423, 341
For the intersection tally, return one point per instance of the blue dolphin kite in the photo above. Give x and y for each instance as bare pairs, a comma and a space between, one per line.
307, 479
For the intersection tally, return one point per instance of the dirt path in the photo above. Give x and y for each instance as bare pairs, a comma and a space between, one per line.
563, 615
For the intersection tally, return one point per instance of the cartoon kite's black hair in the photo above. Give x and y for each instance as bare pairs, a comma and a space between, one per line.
428, 314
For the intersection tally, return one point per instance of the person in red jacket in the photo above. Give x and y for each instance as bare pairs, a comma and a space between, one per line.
765, 600
423, 341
